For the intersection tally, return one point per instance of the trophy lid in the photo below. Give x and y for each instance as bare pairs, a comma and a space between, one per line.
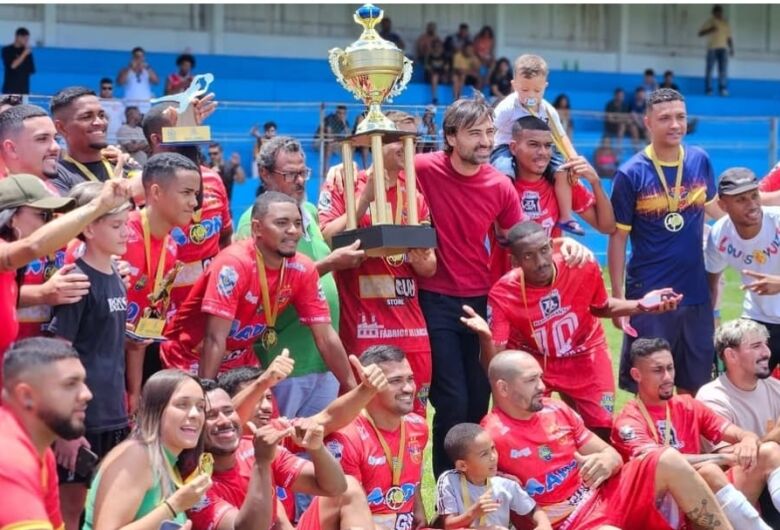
369, 16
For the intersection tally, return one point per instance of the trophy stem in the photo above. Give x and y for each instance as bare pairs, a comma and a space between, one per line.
411, 181
379, 180
349, 184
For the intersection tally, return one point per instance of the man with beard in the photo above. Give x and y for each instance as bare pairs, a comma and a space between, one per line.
83, 123
44, 397
383, 447
531, 147
239, 297
28, 145
576, 477
211, 226
282, 166
657, 418
748, 240
231, 494
552, 311
745, 394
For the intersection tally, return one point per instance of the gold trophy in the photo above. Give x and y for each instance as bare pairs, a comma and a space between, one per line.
375, 70
187, 131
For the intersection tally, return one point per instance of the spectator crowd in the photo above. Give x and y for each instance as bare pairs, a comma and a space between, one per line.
165, 367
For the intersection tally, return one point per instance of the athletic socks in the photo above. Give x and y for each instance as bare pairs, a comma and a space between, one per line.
773, 485
740, 513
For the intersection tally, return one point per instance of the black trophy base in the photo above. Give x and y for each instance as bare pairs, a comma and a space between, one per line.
388, 240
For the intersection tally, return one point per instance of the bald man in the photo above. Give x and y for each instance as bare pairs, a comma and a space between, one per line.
573, 475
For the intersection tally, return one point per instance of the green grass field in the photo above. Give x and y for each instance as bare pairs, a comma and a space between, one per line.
731, 307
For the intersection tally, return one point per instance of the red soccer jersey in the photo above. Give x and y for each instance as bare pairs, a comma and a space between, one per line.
463, 211
538, 203
34, 319
557, 317
198, 242
28, 481
361, 455
691, 419
540, 453
379, 303
8, 295
771, 182
140, 282
229, 487
230, 289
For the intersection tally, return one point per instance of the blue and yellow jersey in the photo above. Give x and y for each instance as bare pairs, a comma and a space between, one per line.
659, 257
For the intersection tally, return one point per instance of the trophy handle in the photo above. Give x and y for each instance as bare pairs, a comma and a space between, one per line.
334, 57
400, 84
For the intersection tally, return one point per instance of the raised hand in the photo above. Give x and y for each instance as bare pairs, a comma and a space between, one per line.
371, 377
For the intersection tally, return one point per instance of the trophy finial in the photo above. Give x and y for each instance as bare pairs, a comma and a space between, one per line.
368, 16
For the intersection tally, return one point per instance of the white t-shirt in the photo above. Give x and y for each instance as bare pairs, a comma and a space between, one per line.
138, 90
509, 110
508, 493
761, 254
116, 117
748, 410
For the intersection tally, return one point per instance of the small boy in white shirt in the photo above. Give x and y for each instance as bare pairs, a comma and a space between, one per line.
530, 82
471, 495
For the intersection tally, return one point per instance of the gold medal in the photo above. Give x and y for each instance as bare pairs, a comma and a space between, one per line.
206, 464
198, 233
49, 271
269, 338
394, 498
674, 222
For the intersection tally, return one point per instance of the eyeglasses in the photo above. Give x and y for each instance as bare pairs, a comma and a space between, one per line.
292, 176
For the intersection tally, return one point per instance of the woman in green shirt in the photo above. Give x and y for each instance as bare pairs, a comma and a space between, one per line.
139, 484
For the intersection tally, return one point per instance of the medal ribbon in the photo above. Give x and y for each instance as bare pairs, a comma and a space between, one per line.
464, 493
672, 200
395, 462
148, 252
651, 423
269, 312
530, 320
89, 174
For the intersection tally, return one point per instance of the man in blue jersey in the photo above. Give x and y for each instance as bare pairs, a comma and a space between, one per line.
660, 197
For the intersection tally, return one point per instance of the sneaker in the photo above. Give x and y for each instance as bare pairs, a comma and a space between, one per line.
572, 226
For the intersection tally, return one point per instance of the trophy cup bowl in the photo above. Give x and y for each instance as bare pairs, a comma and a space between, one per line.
375, 70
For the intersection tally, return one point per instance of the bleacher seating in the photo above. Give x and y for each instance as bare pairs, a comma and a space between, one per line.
742, 141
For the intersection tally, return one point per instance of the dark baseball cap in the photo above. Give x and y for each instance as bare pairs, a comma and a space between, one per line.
28, 190
736, 180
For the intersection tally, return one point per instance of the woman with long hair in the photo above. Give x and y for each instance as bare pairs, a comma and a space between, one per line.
139, 484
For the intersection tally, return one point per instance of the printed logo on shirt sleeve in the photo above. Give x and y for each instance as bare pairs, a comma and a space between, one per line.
227, 280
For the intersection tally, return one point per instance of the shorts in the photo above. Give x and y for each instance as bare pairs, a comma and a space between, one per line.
627, 500
586, 383
100, 444
420, 362
689, 331
310, 519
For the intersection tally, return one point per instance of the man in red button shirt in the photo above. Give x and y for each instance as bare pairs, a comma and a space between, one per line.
44, 397
238, 299
658, 418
